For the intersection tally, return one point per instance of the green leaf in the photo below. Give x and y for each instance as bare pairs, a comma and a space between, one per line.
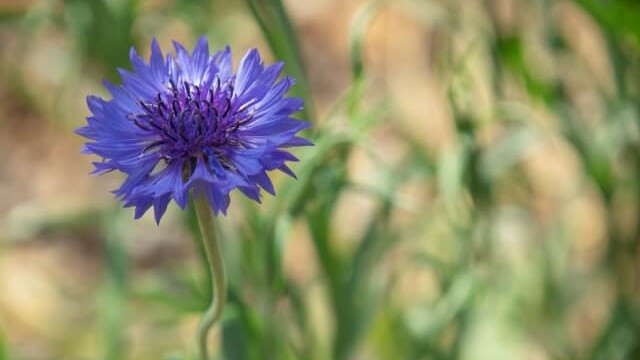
451, 167
112, 301
234, 340
508, 151
430, 321
294, 192
4, 348
276, 27
102, 30
621, 16
246, 329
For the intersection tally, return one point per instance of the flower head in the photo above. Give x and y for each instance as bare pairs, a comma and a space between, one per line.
188, 122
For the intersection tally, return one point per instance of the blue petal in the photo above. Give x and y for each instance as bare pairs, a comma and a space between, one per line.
252, 192
285, 169
273, 125
137, 86
296, 142
262, 83
197, 68
263, 180
142, 206
160, 206
250, 68
222, 60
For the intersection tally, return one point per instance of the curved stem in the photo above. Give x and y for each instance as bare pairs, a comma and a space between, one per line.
218, 278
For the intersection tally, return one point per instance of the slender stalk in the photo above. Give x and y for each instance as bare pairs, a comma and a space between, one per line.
218, 278
272, 18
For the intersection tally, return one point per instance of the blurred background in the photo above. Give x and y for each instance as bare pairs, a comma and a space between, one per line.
474, 191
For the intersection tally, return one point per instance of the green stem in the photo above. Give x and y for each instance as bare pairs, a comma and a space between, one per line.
218, 279
272, 18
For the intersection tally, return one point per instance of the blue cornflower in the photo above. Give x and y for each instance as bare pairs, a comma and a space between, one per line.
188, 122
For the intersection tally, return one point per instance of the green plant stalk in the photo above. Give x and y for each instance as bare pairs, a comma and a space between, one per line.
4, 352
114, 291
218, 279
273, 20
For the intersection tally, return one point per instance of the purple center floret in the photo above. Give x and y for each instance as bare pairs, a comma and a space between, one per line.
192, 122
